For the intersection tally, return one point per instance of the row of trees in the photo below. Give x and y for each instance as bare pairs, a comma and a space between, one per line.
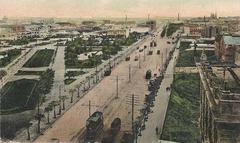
51, 107
163, 31
132, 38
173, 27
24, 40
46, 82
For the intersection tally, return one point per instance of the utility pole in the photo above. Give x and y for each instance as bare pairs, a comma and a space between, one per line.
139, 61
166, 53
117, 87
89, 108
133, 115
89, 81
89, 105
133, 100
162, 60
129, 73
144, 55
96, 66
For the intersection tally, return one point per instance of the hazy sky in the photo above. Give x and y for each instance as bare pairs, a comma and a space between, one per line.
117, 8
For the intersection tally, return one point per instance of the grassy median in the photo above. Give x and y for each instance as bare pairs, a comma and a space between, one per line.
42, 58
21, 95
181, 124
15, 99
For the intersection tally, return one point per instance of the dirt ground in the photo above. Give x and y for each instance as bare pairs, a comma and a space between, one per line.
103, 97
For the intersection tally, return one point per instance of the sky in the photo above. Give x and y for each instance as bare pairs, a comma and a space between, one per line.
117, 8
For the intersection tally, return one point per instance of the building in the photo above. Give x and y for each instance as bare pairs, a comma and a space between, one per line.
219, 108
193, 29
118, 32
228, 49
66, 25
18, 28
92, 23
211, 31
152, 24
140, 29
4, 20
106, 21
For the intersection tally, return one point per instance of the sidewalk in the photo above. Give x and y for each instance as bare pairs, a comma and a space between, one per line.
156, 119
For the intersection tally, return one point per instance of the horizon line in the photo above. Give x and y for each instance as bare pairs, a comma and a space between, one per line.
102, 17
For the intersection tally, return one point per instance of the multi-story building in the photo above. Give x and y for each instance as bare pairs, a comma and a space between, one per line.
228, 49
118, 32
152, 24
193, 29
18, 28
220, 108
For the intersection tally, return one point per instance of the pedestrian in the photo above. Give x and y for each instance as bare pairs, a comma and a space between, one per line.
156, 130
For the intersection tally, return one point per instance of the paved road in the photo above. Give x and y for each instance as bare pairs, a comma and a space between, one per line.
103, 95
59, 77
156, 119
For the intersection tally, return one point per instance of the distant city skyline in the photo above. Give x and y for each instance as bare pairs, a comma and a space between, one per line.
117, 8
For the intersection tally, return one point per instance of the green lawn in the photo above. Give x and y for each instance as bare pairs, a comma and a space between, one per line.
11, 55
70, 74
69, 81
18, 96
181, 124
42, 58
21, 95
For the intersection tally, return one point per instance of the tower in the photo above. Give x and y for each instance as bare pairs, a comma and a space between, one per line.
205, 27
126, 21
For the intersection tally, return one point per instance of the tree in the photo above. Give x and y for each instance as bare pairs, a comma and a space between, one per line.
28, 130
54, 104
63, 98
48, 109
78, 90
71, 91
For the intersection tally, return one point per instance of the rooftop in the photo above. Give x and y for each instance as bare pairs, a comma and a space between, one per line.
231, 40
